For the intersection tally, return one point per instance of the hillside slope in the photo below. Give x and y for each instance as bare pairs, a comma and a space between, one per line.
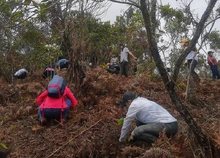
92, 129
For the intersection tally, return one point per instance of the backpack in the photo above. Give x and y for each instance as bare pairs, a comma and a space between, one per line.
56, 87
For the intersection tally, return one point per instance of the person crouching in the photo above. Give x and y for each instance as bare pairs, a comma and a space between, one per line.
151, 119
55, 108
21, 73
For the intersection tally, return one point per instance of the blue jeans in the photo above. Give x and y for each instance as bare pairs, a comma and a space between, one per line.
215, 72
54, 112
150, 132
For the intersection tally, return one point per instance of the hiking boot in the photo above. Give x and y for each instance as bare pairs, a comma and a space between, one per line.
43, 122
63, 121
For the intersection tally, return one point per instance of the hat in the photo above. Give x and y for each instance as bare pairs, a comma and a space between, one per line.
184, 41
209, 52
127, 96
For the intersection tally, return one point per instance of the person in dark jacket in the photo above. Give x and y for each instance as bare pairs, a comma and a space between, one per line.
48, 72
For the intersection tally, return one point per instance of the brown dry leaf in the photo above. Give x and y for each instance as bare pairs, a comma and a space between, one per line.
37, 127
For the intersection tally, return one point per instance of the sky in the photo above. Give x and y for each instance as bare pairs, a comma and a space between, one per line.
114, 10
117, 9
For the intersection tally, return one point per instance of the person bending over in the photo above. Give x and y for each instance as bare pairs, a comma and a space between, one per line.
151, 118
62, 63
48, 72
55, 108
21, 73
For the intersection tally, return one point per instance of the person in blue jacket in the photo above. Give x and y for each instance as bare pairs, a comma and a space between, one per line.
48, 72
151, 118
62, 63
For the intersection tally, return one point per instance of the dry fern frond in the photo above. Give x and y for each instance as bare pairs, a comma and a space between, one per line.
156, 153
132, 151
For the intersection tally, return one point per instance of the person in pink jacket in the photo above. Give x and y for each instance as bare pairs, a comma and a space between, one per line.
213, 63
55, 107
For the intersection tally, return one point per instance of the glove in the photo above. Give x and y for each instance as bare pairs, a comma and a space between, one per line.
121, 139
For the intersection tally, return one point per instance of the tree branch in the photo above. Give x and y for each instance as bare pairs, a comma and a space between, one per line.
195, 38
129, 3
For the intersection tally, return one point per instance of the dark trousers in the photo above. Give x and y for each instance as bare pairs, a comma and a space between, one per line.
192, 70
124, 68
22, 76
215, 72
150, 132
113, 71
54, 113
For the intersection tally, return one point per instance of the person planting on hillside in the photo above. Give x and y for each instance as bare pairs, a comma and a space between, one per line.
191, 60
124, 59
55, 101
62, 63
150, 117
48, 71
213, 65
21, 73
113, 66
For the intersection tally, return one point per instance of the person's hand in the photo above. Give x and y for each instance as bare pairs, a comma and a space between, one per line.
121, 140
131, 138
135, 57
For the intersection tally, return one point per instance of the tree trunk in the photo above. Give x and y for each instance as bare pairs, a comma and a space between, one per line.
77, 69
201, 141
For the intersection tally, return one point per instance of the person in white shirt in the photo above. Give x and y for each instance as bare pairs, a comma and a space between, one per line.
124, 59
191, 60
151, 119
21, 73
113, 66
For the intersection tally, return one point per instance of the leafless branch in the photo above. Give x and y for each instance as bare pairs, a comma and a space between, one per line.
129, 3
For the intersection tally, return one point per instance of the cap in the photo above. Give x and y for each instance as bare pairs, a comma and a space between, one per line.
209, 52
127, 96
184, 41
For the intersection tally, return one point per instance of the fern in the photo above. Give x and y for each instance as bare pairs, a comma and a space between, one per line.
156, 153
104, 65
3, 145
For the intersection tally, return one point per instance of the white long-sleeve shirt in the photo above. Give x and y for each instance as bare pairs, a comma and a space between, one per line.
145, 111
191, 55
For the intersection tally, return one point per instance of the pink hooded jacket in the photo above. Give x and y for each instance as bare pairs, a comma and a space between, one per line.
47, 102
